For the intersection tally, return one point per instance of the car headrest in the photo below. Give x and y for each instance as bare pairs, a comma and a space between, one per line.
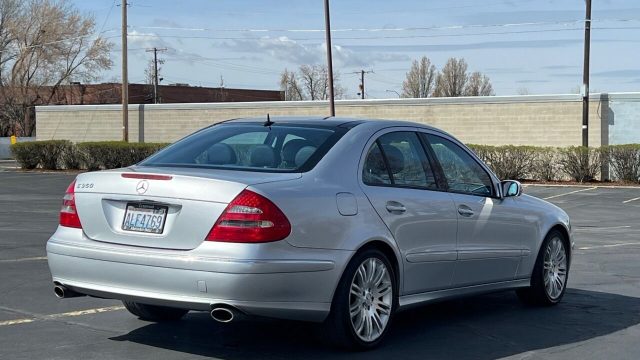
221, 154
395, 158
291, 148
304, 154
262, 156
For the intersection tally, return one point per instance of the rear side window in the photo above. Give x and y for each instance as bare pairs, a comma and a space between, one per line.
398, 158
375, 168
250, 147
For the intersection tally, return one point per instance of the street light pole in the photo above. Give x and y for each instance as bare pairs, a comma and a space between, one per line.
332, 105
393, 91
585, 76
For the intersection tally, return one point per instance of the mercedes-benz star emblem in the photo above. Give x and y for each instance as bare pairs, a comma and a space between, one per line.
142, 187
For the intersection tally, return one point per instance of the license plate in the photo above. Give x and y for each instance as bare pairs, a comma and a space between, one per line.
145, 218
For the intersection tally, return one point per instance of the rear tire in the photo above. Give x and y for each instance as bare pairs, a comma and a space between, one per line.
550, 273
153, 312
364, 302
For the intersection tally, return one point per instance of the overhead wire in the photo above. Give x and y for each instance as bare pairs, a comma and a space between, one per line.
387, 29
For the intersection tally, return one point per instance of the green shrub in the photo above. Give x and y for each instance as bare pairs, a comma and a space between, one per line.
49, 154
508, 161
71, 159
114, 154
514, 162
545, 166
27, 154
580, 163
624, 161
62, 154
484, 152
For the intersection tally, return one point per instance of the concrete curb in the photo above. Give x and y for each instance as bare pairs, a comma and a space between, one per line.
584, 186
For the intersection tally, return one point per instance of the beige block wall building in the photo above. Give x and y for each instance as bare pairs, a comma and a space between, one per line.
549, 120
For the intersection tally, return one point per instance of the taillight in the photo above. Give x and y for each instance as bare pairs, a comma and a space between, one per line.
250, 218
68, 212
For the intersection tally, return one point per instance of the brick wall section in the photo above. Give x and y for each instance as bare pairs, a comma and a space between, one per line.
519, 120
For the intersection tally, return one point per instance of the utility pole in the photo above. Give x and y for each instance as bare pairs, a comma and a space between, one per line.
155, 72
585, 76
361, 73
327, 20
125, 78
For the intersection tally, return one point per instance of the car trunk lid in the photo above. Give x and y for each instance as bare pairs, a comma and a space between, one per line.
178, 206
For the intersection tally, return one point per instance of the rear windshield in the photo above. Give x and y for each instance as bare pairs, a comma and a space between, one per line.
253, 147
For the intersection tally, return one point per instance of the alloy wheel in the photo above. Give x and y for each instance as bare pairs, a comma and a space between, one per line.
555, 268
370, 299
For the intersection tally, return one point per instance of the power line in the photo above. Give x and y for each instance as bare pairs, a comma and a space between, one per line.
386, 29
222, 64
387, 37
96, 34
104, 23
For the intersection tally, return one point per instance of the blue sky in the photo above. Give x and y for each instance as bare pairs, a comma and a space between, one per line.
520, 44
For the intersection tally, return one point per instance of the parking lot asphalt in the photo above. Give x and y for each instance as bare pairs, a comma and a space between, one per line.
599, 317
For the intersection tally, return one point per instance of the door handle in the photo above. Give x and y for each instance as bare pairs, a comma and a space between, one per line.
465, 211
395, 207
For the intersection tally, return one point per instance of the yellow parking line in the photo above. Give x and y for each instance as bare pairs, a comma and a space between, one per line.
15, 322
630, 200
569, 193
62, 315
24, 259
607, 246
601, 228
85, 312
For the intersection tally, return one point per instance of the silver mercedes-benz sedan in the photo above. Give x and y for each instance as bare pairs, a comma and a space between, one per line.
340, 221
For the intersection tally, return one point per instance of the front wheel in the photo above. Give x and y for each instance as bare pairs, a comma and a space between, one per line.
364, 302
154, 312
550, 273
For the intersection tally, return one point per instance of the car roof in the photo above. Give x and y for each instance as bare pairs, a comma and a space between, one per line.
330, 121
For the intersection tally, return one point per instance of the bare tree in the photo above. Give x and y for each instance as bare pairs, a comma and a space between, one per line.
289, 85
150, 71
478, 84
420, 79
451, 81
311, 82
523, 91
46, 44
9, 12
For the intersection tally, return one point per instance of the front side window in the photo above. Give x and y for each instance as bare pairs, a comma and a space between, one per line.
281, 148
462, 172
398, 159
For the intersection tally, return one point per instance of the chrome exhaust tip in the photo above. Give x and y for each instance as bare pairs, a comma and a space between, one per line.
222, 315
62, 292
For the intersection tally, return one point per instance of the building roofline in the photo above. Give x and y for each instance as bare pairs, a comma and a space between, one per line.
388, 102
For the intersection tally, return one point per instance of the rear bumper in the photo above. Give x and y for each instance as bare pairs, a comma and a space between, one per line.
277, 281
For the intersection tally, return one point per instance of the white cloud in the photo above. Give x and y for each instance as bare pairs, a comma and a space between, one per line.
137, 39
286, 49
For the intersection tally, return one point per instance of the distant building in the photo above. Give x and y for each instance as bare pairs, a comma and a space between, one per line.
110, 93
22, 103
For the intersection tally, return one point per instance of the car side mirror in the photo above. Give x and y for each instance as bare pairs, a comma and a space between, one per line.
511, 188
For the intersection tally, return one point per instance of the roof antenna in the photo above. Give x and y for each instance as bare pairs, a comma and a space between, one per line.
268, 122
